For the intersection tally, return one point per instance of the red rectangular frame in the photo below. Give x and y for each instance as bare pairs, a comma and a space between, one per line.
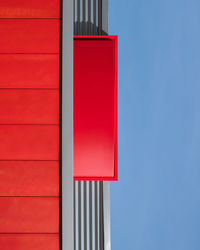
115, 177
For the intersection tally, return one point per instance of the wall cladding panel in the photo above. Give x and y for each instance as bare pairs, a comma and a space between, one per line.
29, 178
29, 106
30, 36
30, 9
29, 142
29, 70
29, 241
29, 215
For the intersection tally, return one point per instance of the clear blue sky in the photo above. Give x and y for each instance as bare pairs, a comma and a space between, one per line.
155, 205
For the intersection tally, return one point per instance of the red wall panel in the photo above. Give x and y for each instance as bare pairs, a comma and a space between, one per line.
29, 178
29, 70
30, 36
30, 9
29, 214
29, 241
29, 106
95, 108
29, 124
29, 142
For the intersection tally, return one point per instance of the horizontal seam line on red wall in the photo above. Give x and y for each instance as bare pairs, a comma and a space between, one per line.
56, 18
29, 196
36, 89
27, 160
32, 53
29, 124
28, 233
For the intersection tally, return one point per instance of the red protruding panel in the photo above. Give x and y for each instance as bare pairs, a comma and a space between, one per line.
30, 35
29, 142
29, 241
95, 108
30, 9
29, 178
29, 70
29, 106
29, 215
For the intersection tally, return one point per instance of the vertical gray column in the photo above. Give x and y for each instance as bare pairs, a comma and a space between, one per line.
106, 184
106, 215
67, 126
105, 16
95, 211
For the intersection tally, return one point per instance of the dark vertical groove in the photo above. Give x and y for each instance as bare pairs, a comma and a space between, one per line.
85, 215
84, 24
78, 17
101, 217
89, 17
99, 17
96, 217
94, 16
74, 15
90, 213
79, 215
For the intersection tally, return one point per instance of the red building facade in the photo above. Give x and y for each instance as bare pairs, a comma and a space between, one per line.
58, 135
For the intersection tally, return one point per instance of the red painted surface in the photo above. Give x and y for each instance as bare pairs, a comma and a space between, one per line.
29, 178
30, 9
29, 124
29, 106
29, 241
29, 70
29, 142
29, 214
30, 35
95, 108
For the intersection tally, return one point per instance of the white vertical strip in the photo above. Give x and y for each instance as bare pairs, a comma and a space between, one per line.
67, 126
79, 217
106, 184
106, 215
85, 215
96, 215
90, 217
